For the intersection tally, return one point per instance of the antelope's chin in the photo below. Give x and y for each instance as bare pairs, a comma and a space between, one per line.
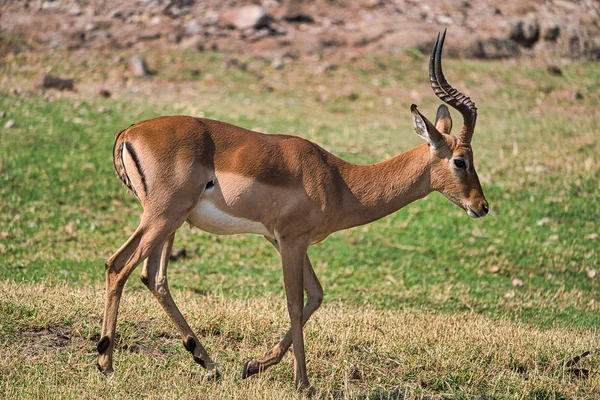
472, 214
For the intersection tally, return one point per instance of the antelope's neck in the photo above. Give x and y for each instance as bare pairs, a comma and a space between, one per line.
374, 191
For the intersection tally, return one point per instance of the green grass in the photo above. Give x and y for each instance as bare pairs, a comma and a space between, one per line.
57, 172
63, 211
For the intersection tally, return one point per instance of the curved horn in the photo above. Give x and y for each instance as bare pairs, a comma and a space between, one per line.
449, 95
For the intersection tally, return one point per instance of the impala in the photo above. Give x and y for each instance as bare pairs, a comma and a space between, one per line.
227, 180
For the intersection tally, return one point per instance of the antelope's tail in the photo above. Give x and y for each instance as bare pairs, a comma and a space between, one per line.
119, 160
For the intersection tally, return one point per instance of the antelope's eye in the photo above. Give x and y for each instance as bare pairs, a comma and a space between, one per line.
460, 163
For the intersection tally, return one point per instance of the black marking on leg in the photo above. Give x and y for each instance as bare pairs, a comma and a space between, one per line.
144, 279
251, 367
190, 344
136, 161
200, 361
210, 184
103, 345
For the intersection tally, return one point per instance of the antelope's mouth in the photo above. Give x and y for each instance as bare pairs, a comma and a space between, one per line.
481, 212
473, 214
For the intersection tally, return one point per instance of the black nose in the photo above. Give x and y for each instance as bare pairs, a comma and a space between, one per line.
485, 208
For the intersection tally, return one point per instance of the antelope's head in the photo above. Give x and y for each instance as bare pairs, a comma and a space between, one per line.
452, 168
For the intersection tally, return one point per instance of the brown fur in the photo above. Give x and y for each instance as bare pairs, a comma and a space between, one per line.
298, 191
227, 180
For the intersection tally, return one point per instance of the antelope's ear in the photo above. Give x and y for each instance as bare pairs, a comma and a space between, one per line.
425, 129
443, 121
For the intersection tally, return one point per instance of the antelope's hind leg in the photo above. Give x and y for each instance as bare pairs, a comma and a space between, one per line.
150, 234
154, 276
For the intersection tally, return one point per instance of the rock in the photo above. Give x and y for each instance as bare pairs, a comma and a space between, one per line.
155, 21
90, 27
10, 124
50, 5
554, 70
295, 12
545, 221
194, 42
182, 3
495, 269
332, 40
277, 63
517, 282
104, 93
245, 17
192, 28
494, 49
55, 82
444, 20
119, 13
66, 40
138, 66
325, 67
551, 32
75, 10
172, 37
371, 3
235, 63
70, 228
592, 273
525, 32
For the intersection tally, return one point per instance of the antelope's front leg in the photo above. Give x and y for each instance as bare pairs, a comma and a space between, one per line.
314, 294
293, 255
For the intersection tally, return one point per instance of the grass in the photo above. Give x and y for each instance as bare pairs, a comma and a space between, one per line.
354, 352
425, 272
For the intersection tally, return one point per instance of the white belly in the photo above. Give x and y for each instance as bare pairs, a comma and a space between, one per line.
210, 219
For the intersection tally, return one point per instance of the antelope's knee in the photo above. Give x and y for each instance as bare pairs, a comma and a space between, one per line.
316, 299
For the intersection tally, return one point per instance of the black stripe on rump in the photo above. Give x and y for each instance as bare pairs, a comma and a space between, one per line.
135, 159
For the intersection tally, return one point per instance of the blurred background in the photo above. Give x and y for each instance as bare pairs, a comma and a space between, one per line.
313, 31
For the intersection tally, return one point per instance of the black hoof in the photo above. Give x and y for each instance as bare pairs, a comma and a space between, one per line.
310, 392
214, 375
106, 372
251, 367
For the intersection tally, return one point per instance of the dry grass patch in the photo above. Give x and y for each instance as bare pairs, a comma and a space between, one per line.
48, 337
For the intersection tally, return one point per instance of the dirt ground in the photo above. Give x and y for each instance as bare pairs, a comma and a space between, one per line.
321, 30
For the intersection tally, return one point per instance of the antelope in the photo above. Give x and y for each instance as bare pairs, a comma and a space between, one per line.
228, 180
